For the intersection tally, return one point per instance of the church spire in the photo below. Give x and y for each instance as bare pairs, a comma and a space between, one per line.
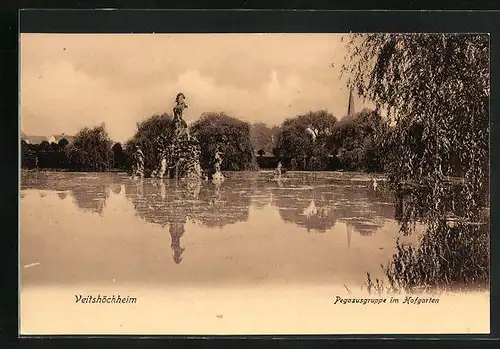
350, 107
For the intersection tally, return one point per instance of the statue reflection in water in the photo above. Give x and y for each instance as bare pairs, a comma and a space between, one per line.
176, 231
169, 204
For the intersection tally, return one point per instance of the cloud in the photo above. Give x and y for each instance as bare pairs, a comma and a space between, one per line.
72, 81
62, 99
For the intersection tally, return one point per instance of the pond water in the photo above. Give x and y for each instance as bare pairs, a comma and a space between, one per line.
309, 228
253, 256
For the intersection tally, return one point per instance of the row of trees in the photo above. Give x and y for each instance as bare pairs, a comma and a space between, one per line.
351, 143
90, 151
93, 150
319, 141
314, 141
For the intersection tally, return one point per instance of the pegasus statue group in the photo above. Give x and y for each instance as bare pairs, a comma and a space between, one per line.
180, 155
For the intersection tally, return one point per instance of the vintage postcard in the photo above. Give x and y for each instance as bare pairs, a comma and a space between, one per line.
241, 184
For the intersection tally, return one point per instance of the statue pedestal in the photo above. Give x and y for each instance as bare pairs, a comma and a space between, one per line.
218, 177
277, 171
181, 156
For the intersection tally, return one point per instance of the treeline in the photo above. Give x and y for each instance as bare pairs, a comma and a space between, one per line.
319, 141
314, 141
91, 150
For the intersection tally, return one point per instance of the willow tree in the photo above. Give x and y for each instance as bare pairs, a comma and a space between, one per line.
232, 136
435, 89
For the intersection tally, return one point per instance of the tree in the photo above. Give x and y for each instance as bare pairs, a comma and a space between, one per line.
43, 155
28, 155
307, 136
263, 136
438, 84
44, 145
358, 140
91, 150
62, 154
63, 142
119, 156
47, 155
152, 134
231, 135
435, 88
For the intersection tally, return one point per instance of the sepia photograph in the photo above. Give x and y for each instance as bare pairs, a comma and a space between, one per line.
254, 184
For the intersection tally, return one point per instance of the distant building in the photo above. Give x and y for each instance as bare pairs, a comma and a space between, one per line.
57, 138
32, 139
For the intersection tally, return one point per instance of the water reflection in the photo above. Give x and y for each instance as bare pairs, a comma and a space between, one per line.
164, 202
176, 231
171, 203
223, 205
299, 199
91, 197
89, 191
319, 208
454, 250
364, 226
348, 228
116, 189
147, 227
419, 204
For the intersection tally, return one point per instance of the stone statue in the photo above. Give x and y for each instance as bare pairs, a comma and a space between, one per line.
218, 177
163, 164
138, 165
278, 169
179, 107
179, 156
179, 124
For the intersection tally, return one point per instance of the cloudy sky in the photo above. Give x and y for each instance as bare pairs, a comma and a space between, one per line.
71, 81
